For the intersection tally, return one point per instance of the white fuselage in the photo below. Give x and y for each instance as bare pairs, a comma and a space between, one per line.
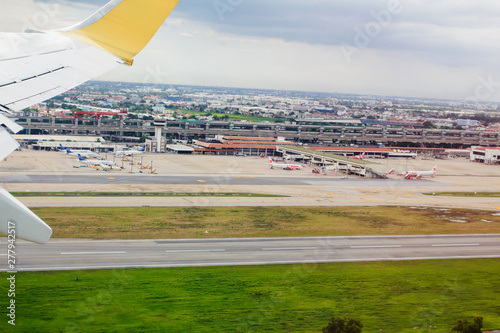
130, 152
419, 174
83, 153
286, 166
98, 162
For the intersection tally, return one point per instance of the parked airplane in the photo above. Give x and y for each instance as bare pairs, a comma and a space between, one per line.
285, 166
361, 157
131, 152
38, 65
94, 162
82, 153
103, 167
419, 174
68, 150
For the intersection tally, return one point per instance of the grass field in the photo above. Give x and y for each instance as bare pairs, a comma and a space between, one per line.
386, 296
233, 117
140, 194
467, 194
221, 222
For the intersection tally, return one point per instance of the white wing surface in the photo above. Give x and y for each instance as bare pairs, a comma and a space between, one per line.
17, 216
45, 65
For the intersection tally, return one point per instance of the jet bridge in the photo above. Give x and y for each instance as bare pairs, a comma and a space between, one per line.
319, 159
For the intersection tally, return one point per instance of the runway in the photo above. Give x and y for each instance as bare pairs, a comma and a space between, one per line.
72, 254
222, 179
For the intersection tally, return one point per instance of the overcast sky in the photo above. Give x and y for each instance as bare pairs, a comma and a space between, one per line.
421, 48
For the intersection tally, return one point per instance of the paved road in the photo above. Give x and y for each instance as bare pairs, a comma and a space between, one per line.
222, 179
69, 254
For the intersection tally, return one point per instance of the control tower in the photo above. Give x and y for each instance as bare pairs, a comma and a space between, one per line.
159, 126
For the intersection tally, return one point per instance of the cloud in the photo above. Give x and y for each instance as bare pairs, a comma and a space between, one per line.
432, 48
447, 32
465, 32
21, 15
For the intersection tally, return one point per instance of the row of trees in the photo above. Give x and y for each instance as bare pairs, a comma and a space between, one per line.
349, 325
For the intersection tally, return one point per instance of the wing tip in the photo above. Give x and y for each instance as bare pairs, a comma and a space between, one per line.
123, 27
14, 215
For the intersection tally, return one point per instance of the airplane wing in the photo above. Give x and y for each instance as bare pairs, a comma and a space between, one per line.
38, 65
25, 223
44, 65
7, 142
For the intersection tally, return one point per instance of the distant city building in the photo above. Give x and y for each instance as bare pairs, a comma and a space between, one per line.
174, 98
467, 122
300, 108
324, 110
159, 108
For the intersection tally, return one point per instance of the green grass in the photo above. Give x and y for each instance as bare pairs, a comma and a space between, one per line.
467, 194
223, 222
141, 194
386, 296
233, 117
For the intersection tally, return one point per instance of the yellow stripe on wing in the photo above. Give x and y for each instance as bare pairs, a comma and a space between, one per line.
127, 28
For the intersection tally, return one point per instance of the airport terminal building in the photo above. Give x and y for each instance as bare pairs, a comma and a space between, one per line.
488, 155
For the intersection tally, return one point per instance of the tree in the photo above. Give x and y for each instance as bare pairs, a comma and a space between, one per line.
464, 326
343, 325
428, 124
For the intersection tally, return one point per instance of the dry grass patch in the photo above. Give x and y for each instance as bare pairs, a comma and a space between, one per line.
222, 222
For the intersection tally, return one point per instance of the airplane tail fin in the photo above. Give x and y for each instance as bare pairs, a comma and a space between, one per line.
68, 151
143, 148
123, 27
80, 158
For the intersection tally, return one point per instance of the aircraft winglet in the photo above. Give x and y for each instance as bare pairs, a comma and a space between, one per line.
123, 27
17, 216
